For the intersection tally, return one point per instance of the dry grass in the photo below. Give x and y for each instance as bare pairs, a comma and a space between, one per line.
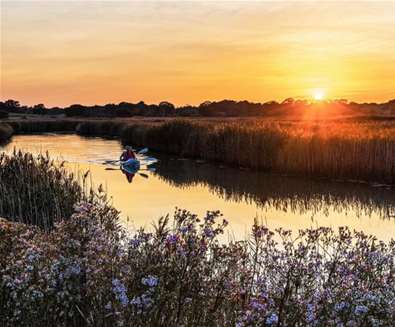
36, 190
357, 151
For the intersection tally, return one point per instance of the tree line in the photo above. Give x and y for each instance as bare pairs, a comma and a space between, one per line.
224, 108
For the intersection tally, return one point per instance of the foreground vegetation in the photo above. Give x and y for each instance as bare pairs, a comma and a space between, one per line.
36, 190
88, 271
85, 272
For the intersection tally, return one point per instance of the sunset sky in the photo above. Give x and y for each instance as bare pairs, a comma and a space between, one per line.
90, 52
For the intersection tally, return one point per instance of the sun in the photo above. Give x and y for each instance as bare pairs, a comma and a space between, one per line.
318, 94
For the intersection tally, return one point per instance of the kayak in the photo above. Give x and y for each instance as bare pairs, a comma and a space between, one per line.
130, 165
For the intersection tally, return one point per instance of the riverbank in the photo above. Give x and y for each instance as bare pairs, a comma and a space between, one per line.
84, 269
348, 150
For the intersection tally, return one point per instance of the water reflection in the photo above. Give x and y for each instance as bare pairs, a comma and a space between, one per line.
287, 194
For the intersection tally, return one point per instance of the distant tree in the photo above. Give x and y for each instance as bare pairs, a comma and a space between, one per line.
10, 106
39, 109
75, 110
166, 109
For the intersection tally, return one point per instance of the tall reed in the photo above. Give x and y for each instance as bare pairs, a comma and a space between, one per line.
359, 150
43, 126
6, 132
36, 190
331, 150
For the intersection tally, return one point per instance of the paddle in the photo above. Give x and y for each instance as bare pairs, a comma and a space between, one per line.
147, 169
142, 151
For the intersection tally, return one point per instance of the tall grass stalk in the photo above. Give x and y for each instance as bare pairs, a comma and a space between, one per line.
37, 190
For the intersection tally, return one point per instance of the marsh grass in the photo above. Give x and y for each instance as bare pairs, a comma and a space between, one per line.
37, 190
43, 126
6, 132
347, 151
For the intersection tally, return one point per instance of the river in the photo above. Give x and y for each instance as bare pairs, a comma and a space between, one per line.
241, 195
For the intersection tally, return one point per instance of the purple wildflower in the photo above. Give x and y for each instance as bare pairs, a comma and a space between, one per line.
360, 310
272, 319
150, 281
172, 239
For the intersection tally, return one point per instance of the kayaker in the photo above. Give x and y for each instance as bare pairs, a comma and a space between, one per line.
127, 154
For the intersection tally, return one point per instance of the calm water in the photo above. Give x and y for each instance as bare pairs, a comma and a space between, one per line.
292, 203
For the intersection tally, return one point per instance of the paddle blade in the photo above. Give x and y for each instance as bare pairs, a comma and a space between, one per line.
143, 151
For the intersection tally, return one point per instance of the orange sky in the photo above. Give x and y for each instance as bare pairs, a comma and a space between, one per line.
90, 52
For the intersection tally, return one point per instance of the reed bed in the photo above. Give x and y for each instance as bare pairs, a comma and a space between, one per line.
43, 126
37, 190
100, 128
6, 132
346, 151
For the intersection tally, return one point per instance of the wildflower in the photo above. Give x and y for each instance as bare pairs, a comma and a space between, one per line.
340, 306
360, 309
150, 281
108, 306
272, 319
120, 291
142, 302
135, 243
75, 269
172, 239
123, 298
255, 304
83, 207
310, 316
208, 232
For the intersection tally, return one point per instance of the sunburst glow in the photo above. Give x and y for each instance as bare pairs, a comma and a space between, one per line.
318, 94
